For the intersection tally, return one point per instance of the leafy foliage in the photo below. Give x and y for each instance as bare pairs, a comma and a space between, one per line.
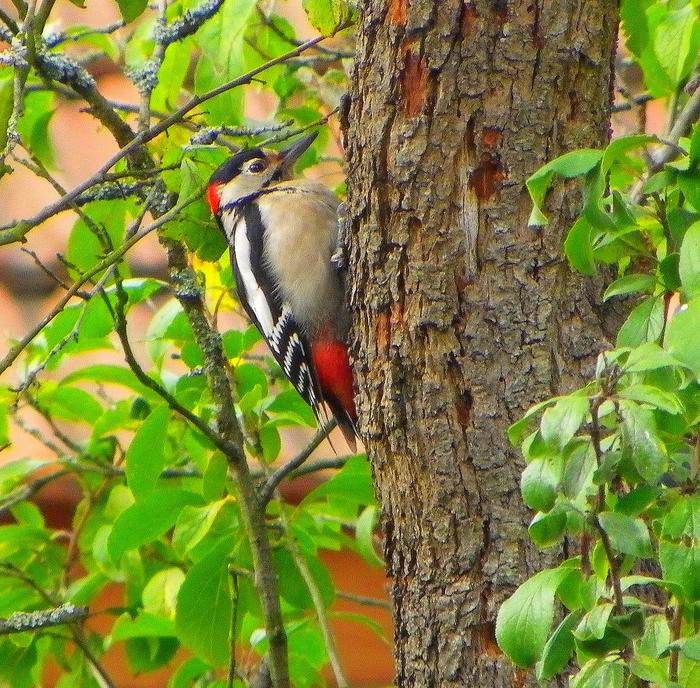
165, 510
612, 468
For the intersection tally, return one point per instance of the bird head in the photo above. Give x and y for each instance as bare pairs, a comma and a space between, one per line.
250, 171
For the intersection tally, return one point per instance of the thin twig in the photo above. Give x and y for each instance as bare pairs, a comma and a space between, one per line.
268, 489
362, 599
321, 465
8, 21
27, 491
234, 621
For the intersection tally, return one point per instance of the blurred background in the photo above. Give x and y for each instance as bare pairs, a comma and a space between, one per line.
27, 293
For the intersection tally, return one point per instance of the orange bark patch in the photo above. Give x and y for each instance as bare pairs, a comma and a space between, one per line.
464, 409
486, 178
469, 17
397, 12
491, 137
414, 79
485, 640
383, 330
386, 322
519, 678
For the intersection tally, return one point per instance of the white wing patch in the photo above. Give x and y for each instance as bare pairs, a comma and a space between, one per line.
254, 293
278, 332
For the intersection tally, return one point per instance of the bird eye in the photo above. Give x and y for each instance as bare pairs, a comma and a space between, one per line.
256, 166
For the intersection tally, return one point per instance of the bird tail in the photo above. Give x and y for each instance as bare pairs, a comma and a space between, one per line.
332, 367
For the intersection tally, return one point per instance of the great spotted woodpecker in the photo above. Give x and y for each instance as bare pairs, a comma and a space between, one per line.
282, 233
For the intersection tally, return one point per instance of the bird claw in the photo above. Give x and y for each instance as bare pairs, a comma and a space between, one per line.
338, 260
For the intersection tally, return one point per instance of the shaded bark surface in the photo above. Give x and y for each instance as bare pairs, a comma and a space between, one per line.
464, 316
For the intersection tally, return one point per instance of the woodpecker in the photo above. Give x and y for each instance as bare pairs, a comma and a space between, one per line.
283, 233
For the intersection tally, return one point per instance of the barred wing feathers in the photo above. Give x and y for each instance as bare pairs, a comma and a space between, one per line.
273, 318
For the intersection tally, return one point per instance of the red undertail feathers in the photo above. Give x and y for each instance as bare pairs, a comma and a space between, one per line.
332, 367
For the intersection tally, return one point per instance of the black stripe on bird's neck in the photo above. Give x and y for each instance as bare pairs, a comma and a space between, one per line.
249, 198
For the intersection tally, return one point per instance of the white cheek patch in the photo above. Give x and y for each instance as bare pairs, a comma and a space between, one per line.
253, 291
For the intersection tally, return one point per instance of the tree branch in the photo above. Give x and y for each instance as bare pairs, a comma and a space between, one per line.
217, 370
19, 622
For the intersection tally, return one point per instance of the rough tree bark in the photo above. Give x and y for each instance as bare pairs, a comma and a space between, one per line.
464, 316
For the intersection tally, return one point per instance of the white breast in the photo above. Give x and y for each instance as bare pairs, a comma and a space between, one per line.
301, 235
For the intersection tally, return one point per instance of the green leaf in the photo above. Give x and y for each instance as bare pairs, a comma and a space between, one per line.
290, 402
558, 649
270, 441
187, 673
131, 9
70, 403
145, 625
327, 16
159, 596
561, 421
676, 41
649, 356
680, 564
569, 165
644, 324
145, 457
364, 532
647, 394
214, 478
525, 618
147, 520
85, 249
600, 673
641, 442
205, 607
192, 525
690, 647
546, 530
578, 247
39, 109
353, 482
627, 535
594, 624
109, 375
634, 23
221, 41
657, 636
689, 265
629, 284
171, 75
682, 339
539, 482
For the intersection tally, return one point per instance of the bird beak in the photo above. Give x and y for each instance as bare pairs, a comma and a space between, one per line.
293, 153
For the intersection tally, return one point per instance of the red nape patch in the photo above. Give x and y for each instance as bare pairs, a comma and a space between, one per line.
334, 374
213, 197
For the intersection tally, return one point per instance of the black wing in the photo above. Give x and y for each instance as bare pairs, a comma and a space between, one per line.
271, 316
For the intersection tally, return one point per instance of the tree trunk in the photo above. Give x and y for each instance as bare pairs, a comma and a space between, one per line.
463, 315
